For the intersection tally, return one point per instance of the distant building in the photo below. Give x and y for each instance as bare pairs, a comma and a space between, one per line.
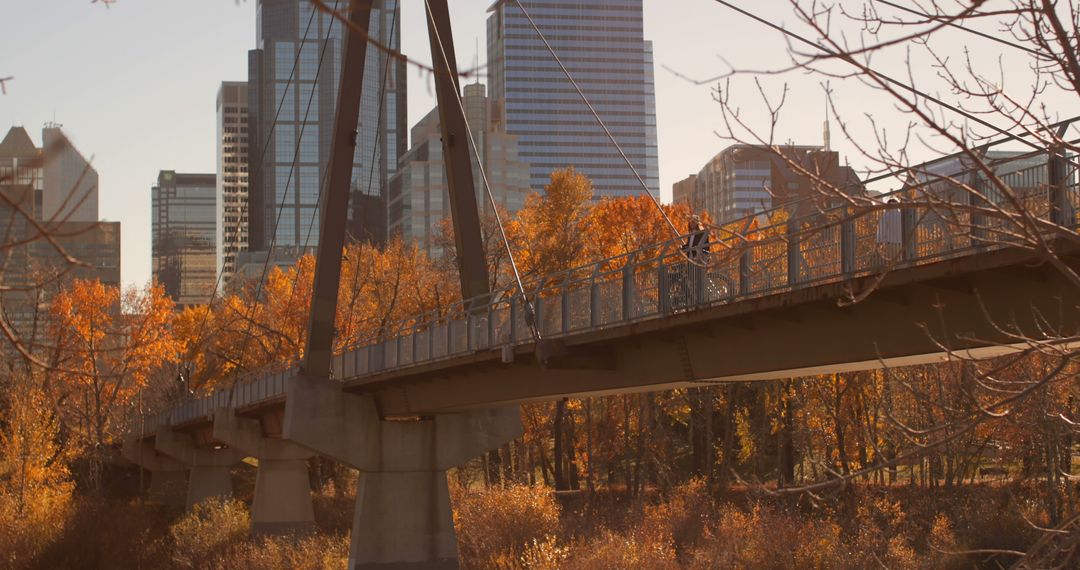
232, 175
745, 179
55, 188
419, 198
255, 266
184, 232
685, 192
603, 45
65, 184
293, 79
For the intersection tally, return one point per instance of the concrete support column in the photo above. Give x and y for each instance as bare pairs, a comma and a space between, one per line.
209, 474
403, 517
282, 503
168, 477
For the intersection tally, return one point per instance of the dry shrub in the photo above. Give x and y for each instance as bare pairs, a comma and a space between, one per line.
613, 551
317, 552
31, 521
495, 526
205, 533
768, 537
111, 535
679, 522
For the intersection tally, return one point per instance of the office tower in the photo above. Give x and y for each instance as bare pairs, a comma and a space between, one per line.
602, 44
232, 175
53, 187
65, 184
418, 194
184, 232
745, 179
685, 192
292, 103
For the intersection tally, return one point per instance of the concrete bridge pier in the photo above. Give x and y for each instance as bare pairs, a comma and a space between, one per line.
282, 503
403, 517
168, 477
209, 468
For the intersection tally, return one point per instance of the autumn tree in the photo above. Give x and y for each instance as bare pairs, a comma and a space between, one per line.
109, 345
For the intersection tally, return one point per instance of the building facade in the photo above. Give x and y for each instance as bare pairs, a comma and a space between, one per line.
602, 44
293, 79
55, 187
685, 192
184, 233
419, 198
744, 179
232, 175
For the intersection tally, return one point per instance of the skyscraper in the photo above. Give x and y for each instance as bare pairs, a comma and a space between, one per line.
602, 44
292, 103
232, 175
184, 232
57, 187
418, 192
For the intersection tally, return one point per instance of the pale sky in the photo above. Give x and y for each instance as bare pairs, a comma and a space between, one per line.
134, 84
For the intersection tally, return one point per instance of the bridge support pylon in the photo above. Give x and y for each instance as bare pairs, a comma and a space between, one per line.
208, 468
282, 503
403, 517
168, 477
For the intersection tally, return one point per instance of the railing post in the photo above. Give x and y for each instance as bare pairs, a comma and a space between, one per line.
415, 352
538, 313
794, 251
468, 331
1061, 212
514, 317
491, 333
847, 246
594, 304
431, 336
908, 232
565, 308
663, 300
449, 336
744, 270
628, 291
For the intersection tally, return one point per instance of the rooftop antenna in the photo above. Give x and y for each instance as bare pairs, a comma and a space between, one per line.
53, 124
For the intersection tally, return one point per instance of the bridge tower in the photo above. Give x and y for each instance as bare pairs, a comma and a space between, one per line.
403, 517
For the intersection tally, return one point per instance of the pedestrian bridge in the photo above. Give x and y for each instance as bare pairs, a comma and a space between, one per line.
839, 289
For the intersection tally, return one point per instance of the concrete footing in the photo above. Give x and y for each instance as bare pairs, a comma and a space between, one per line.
403, 517
209, 468
282, 502
168, 477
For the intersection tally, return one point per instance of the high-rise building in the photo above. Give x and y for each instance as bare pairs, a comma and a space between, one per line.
64, 182
232, 175
419, 198
602, 44
293, 79
745, 179
685, 192
55, 186
184, 232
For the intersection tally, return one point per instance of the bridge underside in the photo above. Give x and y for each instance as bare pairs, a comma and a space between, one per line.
979, 306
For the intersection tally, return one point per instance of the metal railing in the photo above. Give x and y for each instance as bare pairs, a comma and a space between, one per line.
830, 245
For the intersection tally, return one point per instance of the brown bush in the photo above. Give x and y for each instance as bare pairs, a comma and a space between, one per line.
204, 534
495, 526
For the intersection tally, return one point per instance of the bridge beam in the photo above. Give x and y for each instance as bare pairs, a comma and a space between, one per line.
403, 517
208, 468
282, 503
168, 477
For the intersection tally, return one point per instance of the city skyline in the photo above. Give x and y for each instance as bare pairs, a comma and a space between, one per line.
170, 83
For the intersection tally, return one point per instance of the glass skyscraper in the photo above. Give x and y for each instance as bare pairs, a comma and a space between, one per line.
602, 44
297, 116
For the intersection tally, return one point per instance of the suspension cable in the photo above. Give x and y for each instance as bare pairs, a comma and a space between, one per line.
952, 22
530, 317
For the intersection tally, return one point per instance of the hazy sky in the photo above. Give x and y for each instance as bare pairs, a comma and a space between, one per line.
134, 84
